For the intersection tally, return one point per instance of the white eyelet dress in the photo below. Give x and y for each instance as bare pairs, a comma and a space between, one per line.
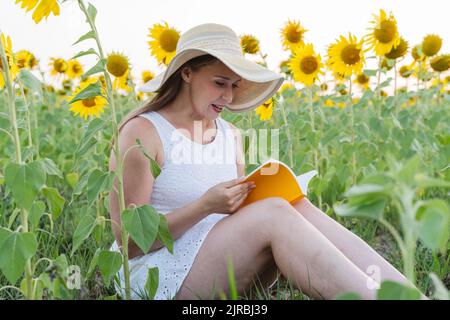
188, 171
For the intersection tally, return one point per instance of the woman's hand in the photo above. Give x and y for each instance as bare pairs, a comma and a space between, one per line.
226, 197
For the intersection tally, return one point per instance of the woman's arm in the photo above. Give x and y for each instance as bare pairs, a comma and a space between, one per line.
138, 183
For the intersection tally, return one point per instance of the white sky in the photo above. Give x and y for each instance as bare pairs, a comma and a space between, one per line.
123, 25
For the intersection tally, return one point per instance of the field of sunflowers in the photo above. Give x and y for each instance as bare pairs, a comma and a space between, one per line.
379, 138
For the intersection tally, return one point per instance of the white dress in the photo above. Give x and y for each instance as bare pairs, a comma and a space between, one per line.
189, 170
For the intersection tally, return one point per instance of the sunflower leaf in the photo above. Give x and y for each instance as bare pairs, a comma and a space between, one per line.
154, 167
92, 12
91, 91
84, 53
89, 35
30, 81
99, 67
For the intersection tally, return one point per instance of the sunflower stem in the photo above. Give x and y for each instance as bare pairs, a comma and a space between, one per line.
378, 88
27, 115
119, 162
352, 118
288, 131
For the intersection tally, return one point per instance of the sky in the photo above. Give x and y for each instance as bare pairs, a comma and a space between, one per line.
123, 25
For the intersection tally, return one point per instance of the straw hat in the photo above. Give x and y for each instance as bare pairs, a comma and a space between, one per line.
259, 83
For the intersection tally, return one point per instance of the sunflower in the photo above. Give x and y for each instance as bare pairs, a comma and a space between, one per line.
163, 44
398, 51
12, 67
362, 80
87, 107
74, 69
122, 82
306, 65
43, 8
292, 35
25, 59
265, 110
249, 44
117, 64
384, 35
440, 63
147, 76
59, 66
286, 86
431, 45
346, 56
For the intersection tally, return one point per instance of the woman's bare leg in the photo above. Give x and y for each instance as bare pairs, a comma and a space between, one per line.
272, 229
356, 249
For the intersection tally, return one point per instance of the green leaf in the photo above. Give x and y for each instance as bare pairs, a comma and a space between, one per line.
88, 139
98, 182
30, 81
372, 210
164, 234
83, 231
348, 296
91, 91
365, 189
152, 282
72, 179
92, 12
422, 181
88, 35
94, 263
25, 181
109, 263
36, 212
99, 67
142, 225
15, 249
154, 167
84, 53
390, 290
54, 200
434, 224
50, 167
409, 170
370, 73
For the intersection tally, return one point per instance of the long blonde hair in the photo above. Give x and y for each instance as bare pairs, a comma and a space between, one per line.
170, 89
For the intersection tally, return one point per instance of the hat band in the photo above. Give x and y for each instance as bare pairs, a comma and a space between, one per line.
212, 42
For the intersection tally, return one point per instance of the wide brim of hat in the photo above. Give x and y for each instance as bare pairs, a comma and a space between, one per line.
259, 83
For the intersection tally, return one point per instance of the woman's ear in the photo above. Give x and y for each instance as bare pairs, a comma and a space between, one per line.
186, 74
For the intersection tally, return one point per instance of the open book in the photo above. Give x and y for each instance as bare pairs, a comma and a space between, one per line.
275, 179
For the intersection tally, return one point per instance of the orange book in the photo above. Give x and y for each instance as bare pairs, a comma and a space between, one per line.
275, 179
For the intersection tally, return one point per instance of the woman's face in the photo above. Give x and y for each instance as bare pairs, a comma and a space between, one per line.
211, 88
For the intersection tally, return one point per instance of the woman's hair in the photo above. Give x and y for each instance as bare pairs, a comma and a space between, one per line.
170, 89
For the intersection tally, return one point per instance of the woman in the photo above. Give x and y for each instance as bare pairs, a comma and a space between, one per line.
201, 200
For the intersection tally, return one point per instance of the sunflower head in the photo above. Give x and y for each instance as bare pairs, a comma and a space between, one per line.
11, 66
306, 65
292, 35
440, 63
74, 69
346, 56
362, 80
59, 66
42, 8
249, 44
398, 51
163, 42
265, 110
431, 45
384, 33
117, 64
284, 67
147, 76
90, 106
25, 59
324, 86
